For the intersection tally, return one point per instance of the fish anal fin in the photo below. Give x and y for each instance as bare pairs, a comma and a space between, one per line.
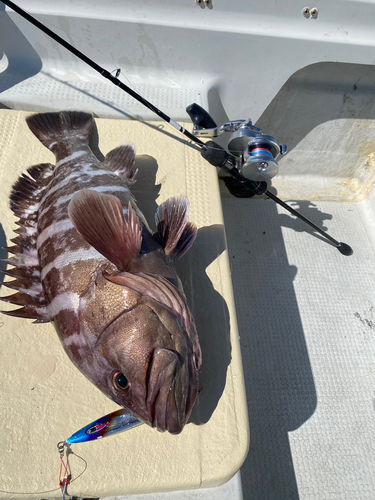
174, 233
121, 161
100, 220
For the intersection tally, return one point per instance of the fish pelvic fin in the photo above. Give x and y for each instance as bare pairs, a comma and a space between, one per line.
100, 220
121, 161
53, 128
174, 233
25, 199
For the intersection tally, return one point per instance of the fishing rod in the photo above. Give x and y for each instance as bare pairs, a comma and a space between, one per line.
252, 156
99, 69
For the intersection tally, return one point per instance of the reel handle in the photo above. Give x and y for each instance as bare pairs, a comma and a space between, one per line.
200, 117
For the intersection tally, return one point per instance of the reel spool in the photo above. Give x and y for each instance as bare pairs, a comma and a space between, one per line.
257, 152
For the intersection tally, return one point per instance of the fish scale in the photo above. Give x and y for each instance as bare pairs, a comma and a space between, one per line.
85, 259
59, 245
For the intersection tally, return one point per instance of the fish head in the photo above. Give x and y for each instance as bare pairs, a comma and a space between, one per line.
150, 360
146, 355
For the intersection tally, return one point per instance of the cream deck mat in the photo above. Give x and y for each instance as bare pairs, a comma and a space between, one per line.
43, 397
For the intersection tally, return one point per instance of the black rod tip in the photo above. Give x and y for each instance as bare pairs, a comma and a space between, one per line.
344, 249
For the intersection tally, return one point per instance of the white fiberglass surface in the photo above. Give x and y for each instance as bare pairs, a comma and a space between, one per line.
245, 51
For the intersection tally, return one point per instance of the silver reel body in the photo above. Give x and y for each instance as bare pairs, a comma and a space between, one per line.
255, 152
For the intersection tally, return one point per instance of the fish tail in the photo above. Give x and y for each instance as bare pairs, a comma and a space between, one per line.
53, 128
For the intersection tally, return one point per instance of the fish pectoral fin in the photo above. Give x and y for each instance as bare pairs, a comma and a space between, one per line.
100, 220
156, 288
174, 233
167, 295
121, 161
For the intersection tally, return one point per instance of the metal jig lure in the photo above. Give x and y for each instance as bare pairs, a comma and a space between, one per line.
117, 421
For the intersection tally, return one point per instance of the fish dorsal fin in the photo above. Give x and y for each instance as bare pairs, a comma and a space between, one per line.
25, 199
174, 233
100, 220
121, 161
162, 291
28, 191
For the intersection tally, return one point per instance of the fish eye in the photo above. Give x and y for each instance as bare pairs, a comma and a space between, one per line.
120, 382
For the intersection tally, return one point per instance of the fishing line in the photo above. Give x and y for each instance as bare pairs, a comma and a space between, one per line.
117, 71
63, 467
109, 76
105, 73
119, 74
254, 186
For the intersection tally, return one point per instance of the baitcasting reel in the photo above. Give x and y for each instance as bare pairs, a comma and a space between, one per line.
251, 160
255, 153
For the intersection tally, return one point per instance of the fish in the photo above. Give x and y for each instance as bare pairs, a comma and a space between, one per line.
85, 259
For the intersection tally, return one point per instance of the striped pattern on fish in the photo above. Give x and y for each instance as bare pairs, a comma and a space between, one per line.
85, 258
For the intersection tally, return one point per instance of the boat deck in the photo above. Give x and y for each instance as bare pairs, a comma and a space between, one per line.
305, 313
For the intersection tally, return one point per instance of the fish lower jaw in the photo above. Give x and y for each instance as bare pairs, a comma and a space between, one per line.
163, 420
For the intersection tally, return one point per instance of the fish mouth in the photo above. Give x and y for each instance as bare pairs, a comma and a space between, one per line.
168, 394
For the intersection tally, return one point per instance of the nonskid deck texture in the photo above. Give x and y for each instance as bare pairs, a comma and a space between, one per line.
306, 319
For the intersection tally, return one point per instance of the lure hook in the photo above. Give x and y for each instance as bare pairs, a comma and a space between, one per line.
64, 477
